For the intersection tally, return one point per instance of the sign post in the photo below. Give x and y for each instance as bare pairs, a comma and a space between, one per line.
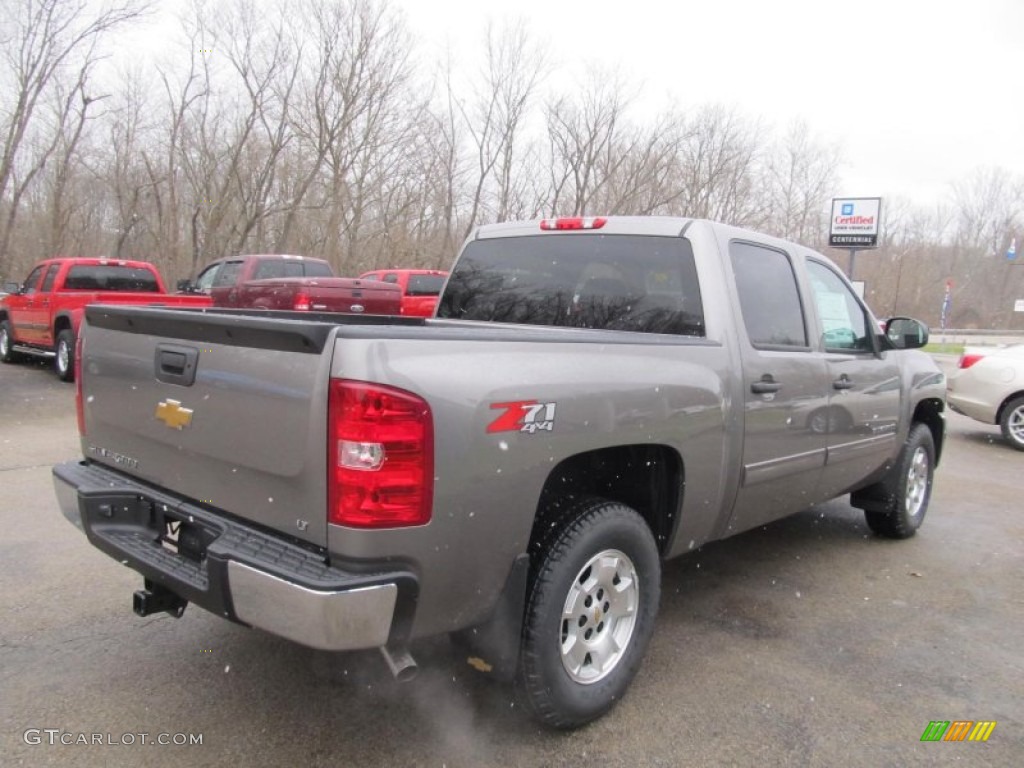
854, 224
947, 305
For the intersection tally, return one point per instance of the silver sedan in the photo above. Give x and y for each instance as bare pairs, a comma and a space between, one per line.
988, 385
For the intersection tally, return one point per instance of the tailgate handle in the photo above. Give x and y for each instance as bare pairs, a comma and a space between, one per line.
176, 364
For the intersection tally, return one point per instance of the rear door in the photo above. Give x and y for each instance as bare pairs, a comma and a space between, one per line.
43, 306
785, 382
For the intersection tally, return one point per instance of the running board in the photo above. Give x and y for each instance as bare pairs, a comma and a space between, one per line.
32, 351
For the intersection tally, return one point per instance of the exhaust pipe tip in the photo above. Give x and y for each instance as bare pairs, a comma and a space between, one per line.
401, 663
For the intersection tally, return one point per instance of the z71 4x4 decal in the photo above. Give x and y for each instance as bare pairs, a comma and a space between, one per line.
523, 416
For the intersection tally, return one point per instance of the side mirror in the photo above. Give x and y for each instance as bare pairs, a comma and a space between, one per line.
185, 286
906, 333
12, 287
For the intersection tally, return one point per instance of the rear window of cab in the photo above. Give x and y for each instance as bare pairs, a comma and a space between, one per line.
640, 283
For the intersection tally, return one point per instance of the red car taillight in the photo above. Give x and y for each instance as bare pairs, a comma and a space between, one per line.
966, 361
79, 404
380, 456
301, 302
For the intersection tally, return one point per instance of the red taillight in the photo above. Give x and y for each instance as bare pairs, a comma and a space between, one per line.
577, 222
966, 361
301, 302
381, 456
79, 404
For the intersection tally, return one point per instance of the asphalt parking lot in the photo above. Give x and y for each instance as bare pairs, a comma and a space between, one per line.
809, 642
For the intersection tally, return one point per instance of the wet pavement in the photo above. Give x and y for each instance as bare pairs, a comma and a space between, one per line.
809, 642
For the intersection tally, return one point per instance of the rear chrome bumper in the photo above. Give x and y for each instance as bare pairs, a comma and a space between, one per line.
236, 571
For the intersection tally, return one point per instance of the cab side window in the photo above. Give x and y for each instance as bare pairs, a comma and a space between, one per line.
769, 298
51, 275
843, 320
205, 280
32, 281
228, 274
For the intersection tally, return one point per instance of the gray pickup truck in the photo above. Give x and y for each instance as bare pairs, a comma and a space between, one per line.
594, 397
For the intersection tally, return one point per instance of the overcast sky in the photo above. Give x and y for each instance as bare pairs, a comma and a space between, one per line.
918, 93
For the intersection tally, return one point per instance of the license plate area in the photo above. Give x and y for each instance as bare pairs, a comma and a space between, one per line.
183, 537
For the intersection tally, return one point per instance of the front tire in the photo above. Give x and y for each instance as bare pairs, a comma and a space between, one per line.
1012, 423
64, 362
908, 488
590, 610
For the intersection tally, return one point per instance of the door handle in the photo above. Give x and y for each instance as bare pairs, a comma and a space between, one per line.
842, 383
765, 385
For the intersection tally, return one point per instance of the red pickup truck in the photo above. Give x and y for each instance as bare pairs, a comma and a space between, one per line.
40, 317
420, 288
273, 281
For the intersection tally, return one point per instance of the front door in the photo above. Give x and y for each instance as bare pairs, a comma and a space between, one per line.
28, 318
864, 385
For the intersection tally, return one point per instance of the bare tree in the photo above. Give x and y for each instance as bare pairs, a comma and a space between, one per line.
495, 115
718, 161
45, 39
800, 178
583, 139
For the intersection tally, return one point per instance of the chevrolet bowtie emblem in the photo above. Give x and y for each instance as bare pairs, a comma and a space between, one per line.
173, 415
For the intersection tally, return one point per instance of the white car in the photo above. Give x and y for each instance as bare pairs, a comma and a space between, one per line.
988, 385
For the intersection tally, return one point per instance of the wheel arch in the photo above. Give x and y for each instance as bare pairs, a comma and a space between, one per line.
62, 322
1006, 402
930, 413
646, 477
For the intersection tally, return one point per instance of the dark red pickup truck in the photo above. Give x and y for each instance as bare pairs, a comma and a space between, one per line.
40, 317
272, 281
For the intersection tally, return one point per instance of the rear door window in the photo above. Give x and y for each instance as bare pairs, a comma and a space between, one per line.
269, 268
317, 269
277, 268
638, 283
51, 275
769, 298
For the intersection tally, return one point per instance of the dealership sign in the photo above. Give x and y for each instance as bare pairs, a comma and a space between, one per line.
855, 222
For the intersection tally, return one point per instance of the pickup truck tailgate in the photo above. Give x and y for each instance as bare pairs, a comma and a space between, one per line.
222, 408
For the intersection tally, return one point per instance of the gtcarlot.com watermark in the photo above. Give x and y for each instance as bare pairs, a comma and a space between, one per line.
58, 737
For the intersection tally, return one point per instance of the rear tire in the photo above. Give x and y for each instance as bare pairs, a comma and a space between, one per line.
64, 362
907, 489
591, 603
7, 353
1012, 423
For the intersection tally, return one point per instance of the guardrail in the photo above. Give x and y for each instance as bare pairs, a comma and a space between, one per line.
976, 337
